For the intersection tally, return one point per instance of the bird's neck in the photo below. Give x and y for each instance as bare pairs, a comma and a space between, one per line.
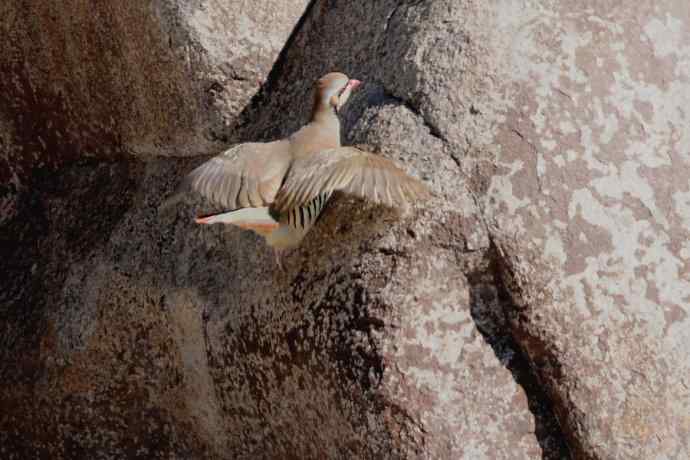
323, 112
326, 120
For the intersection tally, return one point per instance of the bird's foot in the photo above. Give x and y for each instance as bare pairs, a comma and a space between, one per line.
278, 254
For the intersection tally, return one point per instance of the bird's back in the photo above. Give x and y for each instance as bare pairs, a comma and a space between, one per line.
319, 135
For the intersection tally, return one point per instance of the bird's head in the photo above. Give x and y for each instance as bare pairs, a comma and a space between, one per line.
333, 90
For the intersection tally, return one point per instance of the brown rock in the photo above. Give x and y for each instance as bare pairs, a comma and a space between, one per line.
553, 137
110, 81
594, 171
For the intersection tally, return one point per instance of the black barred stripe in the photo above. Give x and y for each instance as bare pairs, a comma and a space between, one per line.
313, 210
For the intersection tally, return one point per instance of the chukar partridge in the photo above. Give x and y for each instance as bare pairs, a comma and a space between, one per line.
278, 189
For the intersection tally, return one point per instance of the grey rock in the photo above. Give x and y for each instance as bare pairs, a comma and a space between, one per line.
110, 81
589, 217
535, 308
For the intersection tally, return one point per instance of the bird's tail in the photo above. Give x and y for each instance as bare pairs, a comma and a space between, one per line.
259, 220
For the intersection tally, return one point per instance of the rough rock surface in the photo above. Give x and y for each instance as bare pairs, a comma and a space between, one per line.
110, 81
536, 308
589, 211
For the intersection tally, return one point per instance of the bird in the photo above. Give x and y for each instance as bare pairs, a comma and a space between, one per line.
278, 189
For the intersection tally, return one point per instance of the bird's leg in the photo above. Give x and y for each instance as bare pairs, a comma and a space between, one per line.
278, 253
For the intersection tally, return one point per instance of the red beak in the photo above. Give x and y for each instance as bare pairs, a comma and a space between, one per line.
352, 84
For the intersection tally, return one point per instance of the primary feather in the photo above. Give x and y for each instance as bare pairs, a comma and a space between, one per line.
350, 170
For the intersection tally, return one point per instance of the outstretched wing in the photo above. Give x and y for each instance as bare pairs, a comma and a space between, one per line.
350, 170
247, 175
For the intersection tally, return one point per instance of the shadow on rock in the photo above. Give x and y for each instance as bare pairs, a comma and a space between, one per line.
488, 305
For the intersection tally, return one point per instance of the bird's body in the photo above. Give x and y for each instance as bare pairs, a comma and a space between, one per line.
278, 189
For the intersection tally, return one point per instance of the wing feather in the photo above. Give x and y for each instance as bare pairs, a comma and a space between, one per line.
352, 171
246, 175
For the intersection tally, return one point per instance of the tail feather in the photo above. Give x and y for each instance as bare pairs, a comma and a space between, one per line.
256, 219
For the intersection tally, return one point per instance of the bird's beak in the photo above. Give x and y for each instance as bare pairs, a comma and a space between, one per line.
342, 98
353, 84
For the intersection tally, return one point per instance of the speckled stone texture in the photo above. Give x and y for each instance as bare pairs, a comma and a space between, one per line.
589, 209
537, 307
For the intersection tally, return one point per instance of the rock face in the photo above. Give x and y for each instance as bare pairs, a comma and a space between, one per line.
536, 308
592, 177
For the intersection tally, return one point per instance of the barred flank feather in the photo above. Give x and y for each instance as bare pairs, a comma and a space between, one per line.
304, 217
